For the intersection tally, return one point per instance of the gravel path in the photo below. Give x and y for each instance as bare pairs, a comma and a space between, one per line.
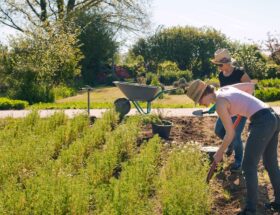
166, 112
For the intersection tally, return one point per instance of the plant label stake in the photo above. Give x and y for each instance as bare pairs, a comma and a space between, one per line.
88, 89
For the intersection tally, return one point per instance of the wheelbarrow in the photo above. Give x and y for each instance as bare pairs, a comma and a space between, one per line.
136, 93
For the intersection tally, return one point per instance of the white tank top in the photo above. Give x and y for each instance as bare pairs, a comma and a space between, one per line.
241, 103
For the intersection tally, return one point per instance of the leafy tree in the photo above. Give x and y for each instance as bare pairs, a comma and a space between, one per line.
98, 45
273, 46
40, 60
251, 58
3, 53
189, 47
100, 22
21, 14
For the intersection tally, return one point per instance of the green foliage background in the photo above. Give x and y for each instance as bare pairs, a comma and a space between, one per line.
38, 61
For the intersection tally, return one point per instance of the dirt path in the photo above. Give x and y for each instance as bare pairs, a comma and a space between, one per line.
229, 188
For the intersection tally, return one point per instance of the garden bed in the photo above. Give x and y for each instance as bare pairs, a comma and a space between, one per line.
58, 165
228, 188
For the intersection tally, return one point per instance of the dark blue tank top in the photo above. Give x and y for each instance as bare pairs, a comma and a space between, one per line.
234, 78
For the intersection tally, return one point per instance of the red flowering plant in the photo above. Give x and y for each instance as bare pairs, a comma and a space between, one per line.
121, 72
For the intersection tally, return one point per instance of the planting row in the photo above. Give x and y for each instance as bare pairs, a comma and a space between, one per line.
66, 166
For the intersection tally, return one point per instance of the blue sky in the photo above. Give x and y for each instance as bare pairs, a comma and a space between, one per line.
242, 20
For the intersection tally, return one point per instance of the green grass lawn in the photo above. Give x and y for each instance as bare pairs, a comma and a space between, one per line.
104, 97
110, 94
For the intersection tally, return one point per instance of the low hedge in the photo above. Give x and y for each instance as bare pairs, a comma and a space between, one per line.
268, 94
269, 83
61, 92
8, 104
168, 77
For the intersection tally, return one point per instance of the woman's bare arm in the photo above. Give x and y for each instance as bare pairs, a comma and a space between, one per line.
245, 78
222, 109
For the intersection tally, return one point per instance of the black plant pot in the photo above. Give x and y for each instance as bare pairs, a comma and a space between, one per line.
163, 130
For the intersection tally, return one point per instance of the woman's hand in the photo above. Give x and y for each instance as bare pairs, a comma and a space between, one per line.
219, 155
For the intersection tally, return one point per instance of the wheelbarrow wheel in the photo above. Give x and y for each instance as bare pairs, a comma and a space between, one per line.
122, 106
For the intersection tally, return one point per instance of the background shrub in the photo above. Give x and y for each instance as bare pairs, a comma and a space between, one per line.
167, 66
269, 83
8, 104
251, 58
273, 71
213, 81
39, 61
168, 72
63, 91
268, 94
180, 86
168, 77
149, 77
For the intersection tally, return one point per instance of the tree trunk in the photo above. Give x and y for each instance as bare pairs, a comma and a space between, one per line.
70, 6
60, 7
43, 5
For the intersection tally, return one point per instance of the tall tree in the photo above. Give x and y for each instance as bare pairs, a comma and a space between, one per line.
273, 46
189, 47
249, 56
98, 46
38, 61
20, 14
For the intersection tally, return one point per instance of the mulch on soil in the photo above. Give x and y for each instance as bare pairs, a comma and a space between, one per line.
229, 188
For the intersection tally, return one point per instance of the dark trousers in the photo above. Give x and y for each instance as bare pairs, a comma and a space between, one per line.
237, 141
262, 141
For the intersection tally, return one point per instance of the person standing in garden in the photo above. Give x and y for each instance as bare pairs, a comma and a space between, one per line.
229, 74
262, 141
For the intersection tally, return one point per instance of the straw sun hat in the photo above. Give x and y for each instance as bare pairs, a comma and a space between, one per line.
195, 90
222, 56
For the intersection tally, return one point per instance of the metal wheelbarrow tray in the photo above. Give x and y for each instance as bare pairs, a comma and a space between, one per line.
137, 93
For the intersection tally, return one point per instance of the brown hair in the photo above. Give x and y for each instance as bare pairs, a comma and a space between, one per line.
208, 90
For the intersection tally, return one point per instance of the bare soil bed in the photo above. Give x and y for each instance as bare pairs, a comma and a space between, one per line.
228, 188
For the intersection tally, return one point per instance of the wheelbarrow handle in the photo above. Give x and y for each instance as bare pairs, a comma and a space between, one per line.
215, 164
162, 92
